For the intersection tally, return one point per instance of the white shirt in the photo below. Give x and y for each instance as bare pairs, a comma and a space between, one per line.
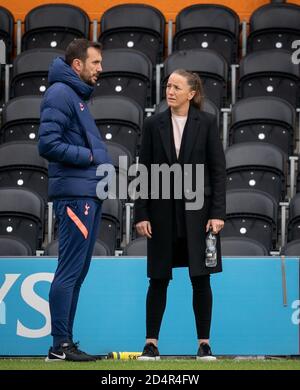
178, 123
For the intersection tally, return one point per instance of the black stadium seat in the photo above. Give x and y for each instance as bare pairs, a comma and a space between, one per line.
14, 246
21, 166
208, 26
22, 215
21, 119
294, 218
274, 26
298, 176
121, 160
126, 72
251, 214
292, 248
260, 166
263, 119
30, 71
119, 119
111, 224
270, 73
54, 26
137, 247
134, 26
7, 31
242, 246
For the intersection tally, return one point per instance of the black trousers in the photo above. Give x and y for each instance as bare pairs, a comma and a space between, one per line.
157, 299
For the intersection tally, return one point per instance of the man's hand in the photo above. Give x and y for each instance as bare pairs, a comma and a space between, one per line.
215, 225
91, 157
144, 229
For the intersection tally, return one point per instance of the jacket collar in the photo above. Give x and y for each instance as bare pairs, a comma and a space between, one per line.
60, 71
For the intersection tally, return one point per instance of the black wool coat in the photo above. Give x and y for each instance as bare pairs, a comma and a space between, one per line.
201, 145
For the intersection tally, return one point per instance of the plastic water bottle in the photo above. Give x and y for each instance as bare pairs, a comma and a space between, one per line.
211, 250
123, 355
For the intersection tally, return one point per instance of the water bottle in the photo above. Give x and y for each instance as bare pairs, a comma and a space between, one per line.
123, 355
211, 250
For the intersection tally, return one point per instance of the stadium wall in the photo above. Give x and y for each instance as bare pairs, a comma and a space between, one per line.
256, 311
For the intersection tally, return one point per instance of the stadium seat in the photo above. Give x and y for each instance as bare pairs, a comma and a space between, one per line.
294, 218
100, 249
111, 224
119, 119
7, 31
30, 71
21, 119
298, 176
263, 119
137, 247
274, 26
134, 26
211, 67
242, 246
14, 246
21, 166
22, 215
270, 73
292, 248
126, 72
251, 214
259, 166
3, 85
208, 26
54, 26
116, 151
122, 160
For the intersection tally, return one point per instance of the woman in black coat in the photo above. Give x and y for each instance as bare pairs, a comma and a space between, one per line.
175, 232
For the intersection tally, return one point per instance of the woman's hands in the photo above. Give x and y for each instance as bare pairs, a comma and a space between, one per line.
144, 229
215, 225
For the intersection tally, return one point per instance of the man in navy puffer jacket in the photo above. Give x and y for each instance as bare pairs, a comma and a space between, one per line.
69, 139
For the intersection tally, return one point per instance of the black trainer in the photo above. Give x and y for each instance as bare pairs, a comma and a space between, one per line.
68, 352
204, 352
150, 352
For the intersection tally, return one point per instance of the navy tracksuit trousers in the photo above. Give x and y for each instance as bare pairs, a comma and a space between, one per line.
78, 224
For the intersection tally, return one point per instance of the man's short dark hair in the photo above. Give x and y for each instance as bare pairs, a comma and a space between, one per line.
78, 49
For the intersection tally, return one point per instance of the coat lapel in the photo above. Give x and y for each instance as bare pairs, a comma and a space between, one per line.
164, 130
192, 131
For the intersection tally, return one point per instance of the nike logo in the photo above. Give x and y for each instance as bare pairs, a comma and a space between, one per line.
63, 356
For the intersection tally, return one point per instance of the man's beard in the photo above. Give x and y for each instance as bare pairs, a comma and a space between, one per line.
88, 80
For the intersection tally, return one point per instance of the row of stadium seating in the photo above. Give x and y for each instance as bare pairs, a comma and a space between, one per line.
129, 73
127, 26
265, 120
253, 211
142, 27
259, 130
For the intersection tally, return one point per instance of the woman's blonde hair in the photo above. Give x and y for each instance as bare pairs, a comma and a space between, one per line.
195, 84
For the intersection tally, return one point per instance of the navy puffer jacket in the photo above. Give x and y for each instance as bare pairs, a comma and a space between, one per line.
68, 135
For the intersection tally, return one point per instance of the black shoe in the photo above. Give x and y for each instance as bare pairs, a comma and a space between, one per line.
68, 352
150, 352
204, 352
